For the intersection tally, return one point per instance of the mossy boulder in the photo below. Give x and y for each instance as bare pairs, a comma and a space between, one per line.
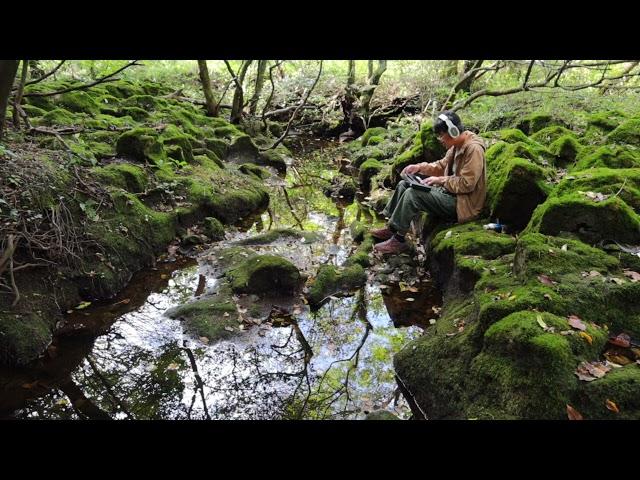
242, 150
217, 146
548, 135
535, 122
566, 148
628, 132
23, 336
213, 228
610, 156
606, 121
254, 170
273, 158
367, 170
265, 274
332, 280
591, 215
215, 318
145, 102
142, 145
58, 116
130, 177
516, 186
620, 386
79, 102
378, 132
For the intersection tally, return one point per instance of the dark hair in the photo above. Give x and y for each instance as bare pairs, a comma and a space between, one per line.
440, 126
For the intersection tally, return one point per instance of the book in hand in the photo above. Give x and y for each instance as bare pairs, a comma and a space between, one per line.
414, 181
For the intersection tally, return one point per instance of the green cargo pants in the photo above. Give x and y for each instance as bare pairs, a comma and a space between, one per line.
407, 202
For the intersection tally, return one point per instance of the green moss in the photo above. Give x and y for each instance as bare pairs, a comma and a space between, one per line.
219, 147
605, 121
590, 220
137, 113
628, 132
472, 239
213, 228
58, 116
33, 111
271, 158
265, 274
141, 145
425, 148
378, 132
610, 156
565, 148
367, 170
145, 102
206, 317
123, 175
535, 122
621, 386
332, 280
79, 102
548, 135
624, 183
516, 186
23, 337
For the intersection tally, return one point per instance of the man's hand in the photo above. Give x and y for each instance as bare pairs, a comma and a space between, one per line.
411, 169
433, 181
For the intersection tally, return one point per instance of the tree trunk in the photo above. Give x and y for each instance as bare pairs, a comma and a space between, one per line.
370, 65
8, 69
212, 107
262, 67
466, 79
238, 95
367, 93
17, 100
351, 73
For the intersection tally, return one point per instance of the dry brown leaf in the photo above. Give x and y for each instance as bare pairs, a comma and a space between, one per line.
619, 359
546, 280
612, 406
587, 337
621, 340
634, 276
573, 414
577, 323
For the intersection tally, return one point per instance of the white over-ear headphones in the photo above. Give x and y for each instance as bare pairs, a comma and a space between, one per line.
452, 129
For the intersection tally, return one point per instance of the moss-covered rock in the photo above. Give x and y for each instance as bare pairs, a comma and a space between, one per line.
548, 135
79, 102
605, 121
367, 170
242, 150
620, 386
273, 158
535, 122
341, 187
215, 318
213, 228
129, 177
265, 274
516, 186
609, 156
378, 132
142, 145
591, 217
145, 102
58, 116
565, 148
332, 280
255, 170
628, 132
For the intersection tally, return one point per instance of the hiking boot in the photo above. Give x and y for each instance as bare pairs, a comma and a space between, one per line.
381, 233
391, 246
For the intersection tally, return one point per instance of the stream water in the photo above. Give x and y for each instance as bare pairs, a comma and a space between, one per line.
124, 359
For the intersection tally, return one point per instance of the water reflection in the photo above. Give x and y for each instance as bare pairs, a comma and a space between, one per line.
335, 362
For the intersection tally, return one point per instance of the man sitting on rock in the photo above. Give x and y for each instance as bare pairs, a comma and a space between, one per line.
458, 184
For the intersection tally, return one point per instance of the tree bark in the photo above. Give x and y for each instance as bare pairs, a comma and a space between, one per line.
8, 69
262, 67
367, 93
238, 95
17, 100
212, 108
468, 75
351, 73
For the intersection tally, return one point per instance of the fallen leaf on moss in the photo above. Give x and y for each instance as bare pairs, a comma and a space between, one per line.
612, 406
577, 323
589, 371
546, 280
635, 276
547, 296
587, 337
573, 414
619, 359
410, 299
83, 305
172, 366
541, 322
